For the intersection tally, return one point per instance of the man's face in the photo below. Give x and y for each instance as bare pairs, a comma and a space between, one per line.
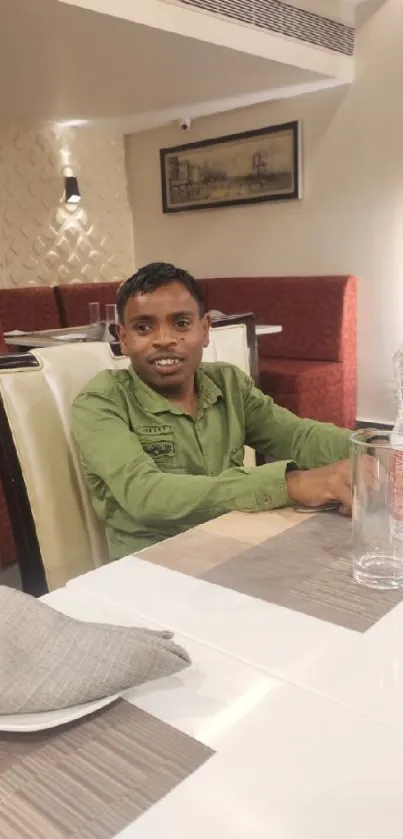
164, 336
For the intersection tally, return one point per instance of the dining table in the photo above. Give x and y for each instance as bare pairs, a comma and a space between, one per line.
41, 339
267, 329
288, 724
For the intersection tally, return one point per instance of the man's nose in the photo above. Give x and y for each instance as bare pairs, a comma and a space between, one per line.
164, 336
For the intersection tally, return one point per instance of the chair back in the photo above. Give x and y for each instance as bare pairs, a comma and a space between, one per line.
37, 401
230, 343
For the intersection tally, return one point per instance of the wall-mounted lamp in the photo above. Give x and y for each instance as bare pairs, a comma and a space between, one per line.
72, 192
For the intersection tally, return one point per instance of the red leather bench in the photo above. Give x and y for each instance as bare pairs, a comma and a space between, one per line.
3, 345
309, 368
73, 300
30, 308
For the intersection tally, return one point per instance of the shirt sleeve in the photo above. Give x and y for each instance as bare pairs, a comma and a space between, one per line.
112, 452
276, 432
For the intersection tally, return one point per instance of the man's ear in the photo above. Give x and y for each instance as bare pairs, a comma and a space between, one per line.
206, 329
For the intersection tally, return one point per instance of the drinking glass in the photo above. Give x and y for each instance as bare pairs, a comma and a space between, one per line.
377, 465
94, 312
111, 319
111, 313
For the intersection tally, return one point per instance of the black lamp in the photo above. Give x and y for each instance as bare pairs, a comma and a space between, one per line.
72, 192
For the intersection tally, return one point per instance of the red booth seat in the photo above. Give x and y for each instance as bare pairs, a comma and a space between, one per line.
309, 368
30, 308
73, 300
3, 345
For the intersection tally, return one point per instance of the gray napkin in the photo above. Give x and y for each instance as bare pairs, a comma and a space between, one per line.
50, 661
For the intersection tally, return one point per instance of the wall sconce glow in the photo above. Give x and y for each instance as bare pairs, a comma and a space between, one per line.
73, 123
65, 155
72, 192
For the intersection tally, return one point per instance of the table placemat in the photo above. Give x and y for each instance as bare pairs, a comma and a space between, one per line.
91, 779
307, 568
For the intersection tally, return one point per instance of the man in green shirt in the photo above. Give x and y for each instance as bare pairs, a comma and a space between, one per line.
161, 444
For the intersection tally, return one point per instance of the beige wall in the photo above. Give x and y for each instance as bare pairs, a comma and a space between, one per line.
43, 241
349, 221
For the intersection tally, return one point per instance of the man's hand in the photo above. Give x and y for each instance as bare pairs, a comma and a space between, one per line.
319, 486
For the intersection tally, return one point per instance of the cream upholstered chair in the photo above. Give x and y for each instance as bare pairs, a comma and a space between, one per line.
229, 343
57, 533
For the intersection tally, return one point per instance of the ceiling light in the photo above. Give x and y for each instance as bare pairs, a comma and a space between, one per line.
72, 192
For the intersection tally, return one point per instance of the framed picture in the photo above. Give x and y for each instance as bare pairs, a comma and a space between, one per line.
247, 168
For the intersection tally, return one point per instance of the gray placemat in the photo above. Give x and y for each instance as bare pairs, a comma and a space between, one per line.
92, 778
307, 568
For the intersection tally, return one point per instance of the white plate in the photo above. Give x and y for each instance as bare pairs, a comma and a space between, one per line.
52, 719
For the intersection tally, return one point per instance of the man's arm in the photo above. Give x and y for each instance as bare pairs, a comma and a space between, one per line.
280, 434
112, 452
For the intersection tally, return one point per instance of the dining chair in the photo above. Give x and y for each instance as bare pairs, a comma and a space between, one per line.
56, 531
232, 340
246, 350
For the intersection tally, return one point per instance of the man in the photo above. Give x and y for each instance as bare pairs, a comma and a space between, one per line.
161, 443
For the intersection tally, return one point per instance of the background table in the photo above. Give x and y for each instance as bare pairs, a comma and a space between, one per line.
266, 329
52, 337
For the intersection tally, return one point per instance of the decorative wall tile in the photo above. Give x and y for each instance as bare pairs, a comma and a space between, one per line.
43, 240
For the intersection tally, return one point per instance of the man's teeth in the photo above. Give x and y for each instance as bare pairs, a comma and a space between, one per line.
166, 362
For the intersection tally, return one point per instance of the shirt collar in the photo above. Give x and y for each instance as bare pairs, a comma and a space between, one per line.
153, 402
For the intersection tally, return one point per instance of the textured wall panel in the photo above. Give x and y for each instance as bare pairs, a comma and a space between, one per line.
43, 241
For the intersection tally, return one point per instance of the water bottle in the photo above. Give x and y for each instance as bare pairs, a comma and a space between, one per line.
396, 439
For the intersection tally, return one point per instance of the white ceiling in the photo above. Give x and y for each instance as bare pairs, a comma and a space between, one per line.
61, 62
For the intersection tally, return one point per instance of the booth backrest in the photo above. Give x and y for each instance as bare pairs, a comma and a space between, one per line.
73, 300
28, 309
317, 313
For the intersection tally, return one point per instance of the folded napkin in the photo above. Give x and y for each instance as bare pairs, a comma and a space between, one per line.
50, 661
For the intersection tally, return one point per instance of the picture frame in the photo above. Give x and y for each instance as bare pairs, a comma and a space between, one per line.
245, 168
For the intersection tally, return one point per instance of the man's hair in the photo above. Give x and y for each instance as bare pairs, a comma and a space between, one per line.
153, 276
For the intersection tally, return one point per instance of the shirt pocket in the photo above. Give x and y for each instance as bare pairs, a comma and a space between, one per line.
159, 443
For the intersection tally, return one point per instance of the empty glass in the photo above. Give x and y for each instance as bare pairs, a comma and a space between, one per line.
94, 310
111, 313
377, 463
111, 318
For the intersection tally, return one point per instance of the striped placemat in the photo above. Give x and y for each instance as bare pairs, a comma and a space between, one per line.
91, 779
307, 568
302, 562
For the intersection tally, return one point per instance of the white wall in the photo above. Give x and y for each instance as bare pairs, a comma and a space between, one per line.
349, 221
43, 241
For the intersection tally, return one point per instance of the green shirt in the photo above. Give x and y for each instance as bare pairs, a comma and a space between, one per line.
153, 471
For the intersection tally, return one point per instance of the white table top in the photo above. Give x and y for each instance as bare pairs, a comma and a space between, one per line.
266, 329
306, 717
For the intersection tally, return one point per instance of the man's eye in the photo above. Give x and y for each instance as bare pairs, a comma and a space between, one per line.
183, 323
142, 328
